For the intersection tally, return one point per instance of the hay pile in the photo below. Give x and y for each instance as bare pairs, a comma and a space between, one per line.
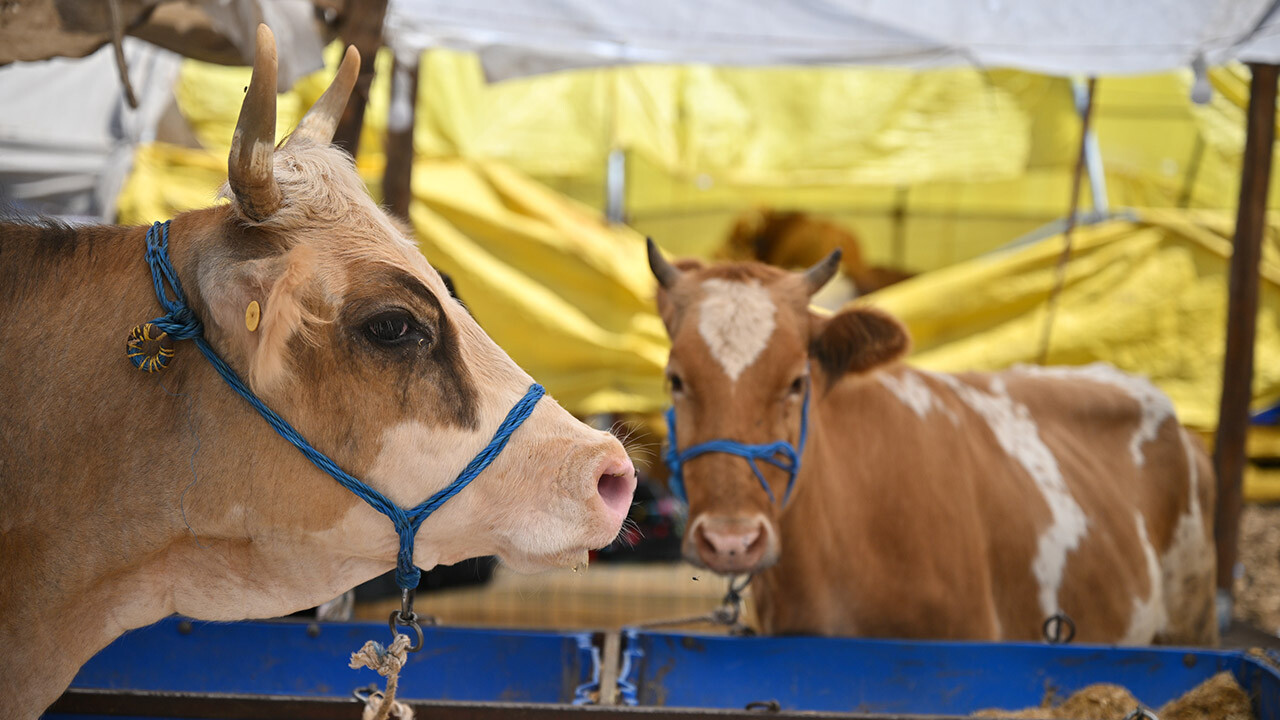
1218, 698
1258, 591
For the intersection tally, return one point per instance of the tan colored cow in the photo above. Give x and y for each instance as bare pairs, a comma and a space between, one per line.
789, 239
125, 497
928, 505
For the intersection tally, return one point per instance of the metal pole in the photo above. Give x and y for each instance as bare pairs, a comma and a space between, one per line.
1242, 316
615, 183
1083, 92
1073, 212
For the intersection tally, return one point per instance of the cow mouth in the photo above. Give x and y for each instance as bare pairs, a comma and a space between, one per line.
576, 559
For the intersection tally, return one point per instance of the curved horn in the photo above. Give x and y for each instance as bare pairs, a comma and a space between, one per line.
250, 167
666, 273
320, 122
820, 274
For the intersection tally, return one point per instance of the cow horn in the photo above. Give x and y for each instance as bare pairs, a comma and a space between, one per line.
820, 274
250, 169
320, 122
666, 273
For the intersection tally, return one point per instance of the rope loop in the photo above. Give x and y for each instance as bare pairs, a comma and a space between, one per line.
148, 348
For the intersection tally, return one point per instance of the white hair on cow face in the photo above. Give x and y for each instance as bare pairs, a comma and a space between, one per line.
736, 320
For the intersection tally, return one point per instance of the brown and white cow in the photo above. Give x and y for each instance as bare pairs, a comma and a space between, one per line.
928, 505
125, 497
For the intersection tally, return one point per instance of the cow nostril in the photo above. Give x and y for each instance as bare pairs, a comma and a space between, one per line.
616, 491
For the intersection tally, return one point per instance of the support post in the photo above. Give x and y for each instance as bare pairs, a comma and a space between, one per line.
362, 28
1242, 315
397, 178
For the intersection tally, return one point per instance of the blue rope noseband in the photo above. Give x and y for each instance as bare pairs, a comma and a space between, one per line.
180, 323
780, 454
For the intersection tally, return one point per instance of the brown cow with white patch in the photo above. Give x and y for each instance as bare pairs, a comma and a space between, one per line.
125, 497
928, 505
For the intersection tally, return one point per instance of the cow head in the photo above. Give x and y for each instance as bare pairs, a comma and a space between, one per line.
362, 347
745, 348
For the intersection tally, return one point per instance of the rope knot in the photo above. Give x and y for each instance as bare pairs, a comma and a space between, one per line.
180, 324
384, 660
387, 662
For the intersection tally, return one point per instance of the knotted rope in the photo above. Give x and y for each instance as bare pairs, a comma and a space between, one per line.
387, 662
180, 323
780, 454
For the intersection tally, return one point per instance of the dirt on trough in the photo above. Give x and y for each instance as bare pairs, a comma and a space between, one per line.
1218, 698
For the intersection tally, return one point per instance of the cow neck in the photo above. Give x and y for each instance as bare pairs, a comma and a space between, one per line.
802, 560
180, 322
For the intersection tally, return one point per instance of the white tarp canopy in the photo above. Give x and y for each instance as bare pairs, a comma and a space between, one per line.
67, 137
66, 134
1089, 37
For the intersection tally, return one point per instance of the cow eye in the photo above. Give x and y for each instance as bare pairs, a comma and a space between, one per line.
797, 386
394, 327
677, 384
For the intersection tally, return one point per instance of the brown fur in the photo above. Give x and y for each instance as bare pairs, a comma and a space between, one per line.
796, 239
908, 522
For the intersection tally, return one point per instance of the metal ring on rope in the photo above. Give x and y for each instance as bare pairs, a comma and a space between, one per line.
1053, 626
399, 620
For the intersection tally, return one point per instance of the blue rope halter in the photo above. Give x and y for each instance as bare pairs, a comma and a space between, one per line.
789, 462
180, 323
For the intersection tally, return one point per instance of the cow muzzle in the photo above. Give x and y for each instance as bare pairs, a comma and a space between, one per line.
731, 545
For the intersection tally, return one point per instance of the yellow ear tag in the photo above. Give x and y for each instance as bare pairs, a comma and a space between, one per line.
251, 315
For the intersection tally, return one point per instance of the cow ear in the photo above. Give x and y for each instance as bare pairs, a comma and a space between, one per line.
857, 340
260, 337
670, 306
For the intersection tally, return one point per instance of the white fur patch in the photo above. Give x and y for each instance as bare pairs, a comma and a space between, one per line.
1149, 616
1154, 405
911, 389
736, 320
1018, 435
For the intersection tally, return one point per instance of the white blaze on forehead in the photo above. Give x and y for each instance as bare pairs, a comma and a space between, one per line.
1017, 433
736, 320
1150, 615
1154, 405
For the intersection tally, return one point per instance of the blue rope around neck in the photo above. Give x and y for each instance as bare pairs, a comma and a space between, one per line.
789, 462
182, 324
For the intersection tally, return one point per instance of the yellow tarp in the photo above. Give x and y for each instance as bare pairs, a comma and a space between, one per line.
1148, 296
973, 158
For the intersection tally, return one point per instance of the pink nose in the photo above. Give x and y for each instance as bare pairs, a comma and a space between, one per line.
732, 548
617, 485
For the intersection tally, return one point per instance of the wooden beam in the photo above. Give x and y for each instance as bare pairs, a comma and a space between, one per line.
398, 177
1242, 317
362, 27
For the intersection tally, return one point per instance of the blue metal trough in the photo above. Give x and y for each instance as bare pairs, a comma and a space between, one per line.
899, 677
301, 659
299, 669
